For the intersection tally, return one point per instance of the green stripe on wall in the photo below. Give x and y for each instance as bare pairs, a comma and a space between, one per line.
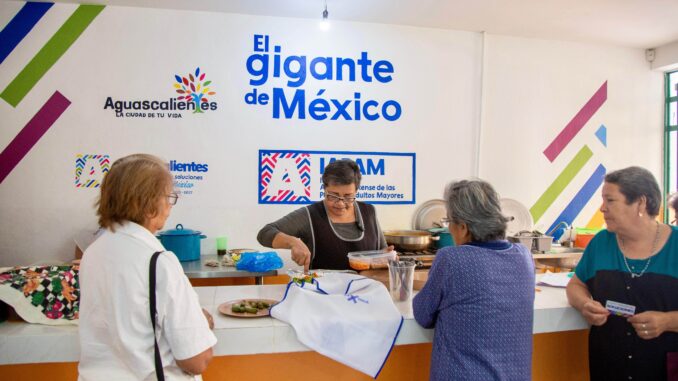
559, 184
50, 53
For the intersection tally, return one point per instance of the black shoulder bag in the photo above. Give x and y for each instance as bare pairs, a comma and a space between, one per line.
154, 315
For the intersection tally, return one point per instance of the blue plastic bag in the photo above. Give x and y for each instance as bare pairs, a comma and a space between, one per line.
259, 262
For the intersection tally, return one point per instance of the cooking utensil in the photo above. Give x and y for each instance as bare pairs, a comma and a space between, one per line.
429, 214
409, 240
444, 237
184, 243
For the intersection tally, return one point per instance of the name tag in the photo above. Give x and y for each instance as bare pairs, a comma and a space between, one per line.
620, 309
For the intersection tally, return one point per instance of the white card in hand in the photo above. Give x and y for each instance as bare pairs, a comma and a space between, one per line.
620, 309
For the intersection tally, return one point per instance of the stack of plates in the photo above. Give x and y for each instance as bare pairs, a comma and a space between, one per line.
518, 215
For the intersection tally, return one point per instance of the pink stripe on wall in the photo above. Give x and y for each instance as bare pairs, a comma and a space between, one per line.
31, 133
576, 124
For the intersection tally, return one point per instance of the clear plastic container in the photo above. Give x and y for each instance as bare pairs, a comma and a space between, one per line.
371, 259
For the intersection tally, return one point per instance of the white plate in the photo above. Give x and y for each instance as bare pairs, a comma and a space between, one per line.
520, 218
427, 213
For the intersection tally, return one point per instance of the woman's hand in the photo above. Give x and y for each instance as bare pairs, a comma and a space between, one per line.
650, 324
389, 249
300, 254
594, 313
208, 316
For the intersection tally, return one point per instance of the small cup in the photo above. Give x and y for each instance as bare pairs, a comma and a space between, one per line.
221, 245
401, 280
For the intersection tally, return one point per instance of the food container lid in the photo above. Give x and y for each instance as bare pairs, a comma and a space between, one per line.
593, 231
179, 231
371, 254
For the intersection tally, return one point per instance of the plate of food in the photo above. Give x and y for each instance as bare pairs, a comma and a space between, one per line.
247, 308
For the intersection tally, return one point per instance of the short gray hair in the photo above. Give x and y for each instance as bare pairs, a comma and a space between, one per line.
342, 172
635, 182
475, 203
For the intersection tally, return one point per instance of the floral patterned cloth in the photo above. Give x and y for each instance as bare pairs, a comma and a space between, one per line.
42, 294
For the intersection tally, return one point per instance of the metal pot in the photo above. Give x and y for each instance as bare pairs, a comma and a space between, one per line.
442, 236
409, 240
184, 243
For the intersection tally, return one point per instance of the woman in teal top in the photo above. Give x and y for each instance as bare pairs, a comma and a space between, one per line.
634, 262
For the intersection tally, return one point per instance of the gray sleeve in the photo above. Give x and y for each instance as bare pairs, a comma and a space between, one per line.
295, 224
382, 238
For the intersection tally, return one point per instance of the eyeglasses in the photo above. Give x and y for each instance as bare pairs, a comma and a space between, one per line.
335, 199
172, 198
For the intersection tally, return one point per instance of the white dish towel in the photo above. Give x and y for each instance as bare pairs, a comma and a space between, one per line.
346, 317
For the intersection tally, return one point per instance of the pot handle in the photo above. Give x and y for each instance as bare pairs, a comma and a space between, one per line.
202, 236
435, 238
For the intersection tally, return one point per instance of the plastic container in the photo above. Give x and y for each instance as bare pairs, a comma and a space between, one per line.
584, 236
401, 280
371, 259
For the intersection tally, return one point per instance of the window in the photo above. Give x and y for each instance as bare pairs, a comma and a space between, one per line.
671, 137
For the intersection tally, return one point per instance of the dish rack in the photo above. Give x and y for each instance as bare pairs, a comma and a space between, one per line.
541, 244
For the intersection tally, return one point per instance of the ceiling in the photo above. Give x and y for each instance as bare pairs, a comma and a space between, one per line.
630, 23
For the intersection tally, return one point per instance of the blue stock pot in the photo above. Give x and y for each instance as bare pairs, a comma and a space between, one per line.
184, 243
442, 237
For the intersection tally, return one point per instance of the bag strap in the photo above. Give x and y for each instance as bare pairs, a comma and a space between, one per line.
154, 315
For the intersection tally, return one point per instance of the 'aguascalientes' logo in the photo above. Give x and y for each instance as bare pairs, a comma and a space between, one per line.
193, 89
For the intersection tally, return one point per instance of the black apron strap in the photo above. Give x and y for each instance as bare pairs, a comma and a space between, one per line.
154, 315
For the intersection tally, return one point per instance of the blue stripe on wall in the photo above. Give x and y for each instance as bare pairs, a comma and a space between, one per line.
580, 200
20, 25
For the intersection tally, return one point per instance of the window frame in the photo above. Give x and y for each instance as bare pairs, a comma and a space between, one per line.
668, 128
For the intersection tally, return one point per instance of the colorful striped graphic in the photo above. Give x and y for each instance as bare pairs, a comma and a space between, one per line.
559, 184
267, 166
103, 162
50, 53
577, 123
601, 134
597, 220
20, 25
31, 133
580, 200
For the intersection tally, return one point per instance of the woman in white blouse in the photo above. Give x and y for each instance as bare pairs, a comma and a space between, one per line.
116, 333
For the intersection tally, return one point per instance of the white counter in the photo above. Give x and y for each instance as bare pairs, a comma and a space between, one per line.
22, 343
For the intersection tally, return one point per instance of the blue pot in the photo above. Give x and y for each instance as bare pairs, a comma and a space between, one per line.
442, 237
184, 243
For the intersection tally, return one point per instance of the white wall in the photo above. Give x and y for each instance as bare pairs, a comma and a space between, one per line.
533, 88
133, 54
666, 57
530, 89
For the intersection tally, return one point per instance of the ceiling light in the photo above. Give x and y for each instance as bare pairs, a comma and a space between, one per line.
325, 23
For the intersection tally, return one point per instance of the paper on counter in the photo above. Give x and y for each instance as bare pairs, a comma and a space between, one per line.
555, 279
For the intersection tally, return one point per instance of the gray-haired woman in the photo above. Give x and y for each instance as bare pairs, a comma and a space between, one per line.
634, 262
475, 288
322, 234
